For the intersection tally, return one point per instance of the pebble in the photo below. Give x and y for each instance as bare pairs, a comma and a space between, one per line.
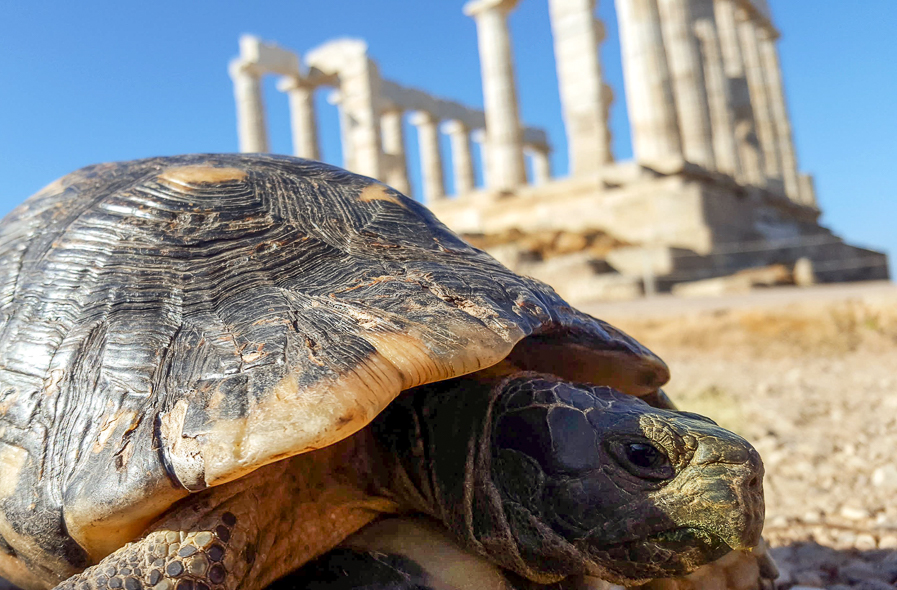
885, 477
854, 513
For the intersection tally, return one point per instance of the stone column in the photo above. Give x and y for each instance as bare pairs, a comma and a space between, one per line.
462, 161
345, 128
478, 136
759, 89
396, 174
577, 35
251, 128
686, 69
541, 165
807, 191
649, 94
725, 150
749, 152
773, 75
504, 137
430, 158
302, 117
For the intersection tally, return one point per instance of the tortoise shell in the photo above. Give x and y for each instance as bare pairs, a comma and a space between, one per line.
170, 324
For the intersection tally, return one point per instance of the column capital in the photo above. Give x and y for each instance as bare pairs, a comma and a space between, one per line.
287, 83
476, 7
454, 126
419, 118
239, 67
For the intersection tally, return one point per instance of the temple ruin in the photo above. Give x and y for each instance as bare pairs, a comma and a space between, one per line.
714, 186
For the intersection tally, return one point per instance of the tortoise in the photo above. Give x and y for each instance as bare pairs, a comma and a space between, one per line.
214, 368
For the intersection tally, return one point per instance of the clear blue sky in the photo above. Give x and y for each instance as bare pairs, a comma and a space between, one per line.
85, 82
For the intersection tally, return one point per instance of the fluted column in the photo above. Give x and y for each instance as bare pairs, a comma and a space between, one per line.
478, 136
749, 152
773, 75
807, 190
345, 126
725, 150
686, 70
649, 93
396, 174
759, 89
251, 129
504, 137
430, 157
302, 117
577, 35
462, 161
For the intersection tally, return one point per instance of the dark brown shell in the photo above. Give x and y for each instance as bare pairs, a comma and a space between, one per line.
172, 323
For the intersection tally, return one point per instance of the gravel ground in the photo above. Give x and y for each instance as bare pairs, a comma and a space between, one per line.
814, 387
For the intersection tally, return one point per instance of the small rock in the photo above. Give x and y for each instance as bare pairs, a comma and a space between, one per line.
845, 540
854, 513
812, 517
887, 542
885, 477
865, 542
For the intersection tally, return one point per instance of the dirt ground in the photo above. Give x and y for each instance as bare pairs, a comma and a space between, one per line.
811, 380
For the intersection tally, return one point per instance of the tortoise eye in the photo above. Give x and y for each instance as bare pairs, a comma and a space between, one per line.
643, 455
643, 460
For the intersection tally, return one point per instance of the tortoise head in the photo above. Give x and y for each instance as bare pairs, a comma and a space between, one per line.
558, 478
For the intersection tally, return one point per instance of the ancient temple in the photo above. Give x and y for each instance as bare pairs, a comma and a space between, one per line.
714, 186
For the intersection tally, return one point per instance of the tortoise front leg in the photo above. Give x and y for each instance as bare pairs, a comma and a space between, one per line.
212, 557
247, 533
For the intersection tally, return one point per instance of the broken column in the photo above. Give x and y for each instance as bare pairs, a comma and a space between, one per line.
649, 94
430, 157
687, 75
504, 140
577, 35
462, 161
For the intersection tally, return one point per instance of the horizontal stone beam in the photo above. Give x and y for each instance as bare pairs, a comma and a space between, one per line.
406, 98
268, 58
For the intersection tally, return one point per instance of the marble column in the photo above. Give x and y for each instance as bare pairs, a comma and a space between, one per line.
430, 157
759, 89
478, 136
649, 93
302, 117
396, 174
345, 126
749, 152
773, 75
504, 137
577, 35
687, 72
807, 191
541, 165
462, 161
725, 150
251, 129
359, 85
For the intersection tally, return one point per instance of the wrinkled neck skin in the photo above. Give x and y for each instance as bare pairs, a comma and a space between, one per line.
551, 479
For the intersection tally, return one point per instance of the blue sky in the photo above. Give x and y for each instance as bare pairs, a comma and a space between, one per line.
84, 82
